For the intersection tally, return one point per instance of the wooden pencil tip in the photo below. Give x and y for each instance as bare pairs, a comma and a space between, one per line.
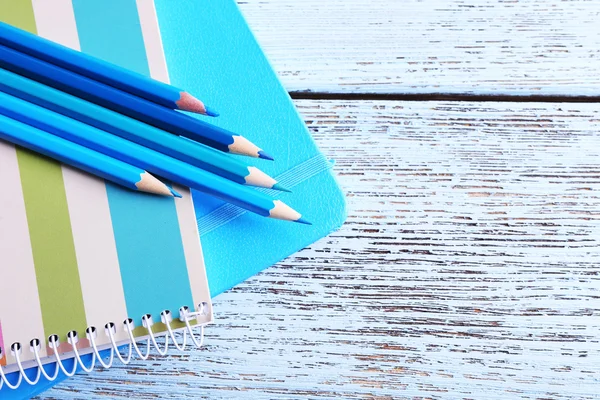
285, 212
258, 178
150, 184
244, 147
189, 103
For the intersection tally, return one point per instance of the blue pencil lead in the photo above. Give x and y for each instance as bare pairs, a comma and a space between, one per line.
211, 112
303, 221
281, 188
176, 194
265, 156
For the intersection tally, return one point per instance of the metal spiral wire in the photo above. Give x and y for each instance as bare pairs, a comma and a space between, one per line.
110, 329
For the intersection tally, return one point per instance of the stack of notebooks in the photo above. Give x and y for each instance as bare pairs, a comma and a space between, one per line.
77, 252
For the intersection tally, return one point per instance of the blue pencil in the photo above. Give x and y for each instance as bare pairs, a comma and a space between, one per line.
143, 157
127, 104
101, 71
128, 128
81, 157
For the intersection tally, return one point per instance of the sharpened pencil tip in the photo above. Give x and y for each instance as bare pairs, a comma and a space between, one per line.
211, 112
265, 156
175, 193
303, 221
281, 188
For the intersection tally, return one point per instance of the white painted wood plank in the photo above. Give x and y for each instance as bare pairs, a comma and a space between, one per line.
538, 47
467, 269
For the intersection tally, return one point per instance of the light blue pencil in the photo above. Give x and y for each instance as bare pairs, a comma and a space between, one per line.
81, 157
131, 129
157, 163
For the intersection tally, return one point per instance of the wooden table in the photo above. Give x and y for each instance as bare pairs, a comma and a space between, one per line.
466, 138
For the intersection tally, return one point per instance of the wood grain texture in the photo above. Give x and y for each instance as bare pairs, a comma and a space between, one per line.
467, 269
532, 47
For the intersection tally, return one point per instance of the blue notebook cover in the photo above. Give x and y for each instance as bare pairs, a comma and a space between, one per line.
212, 53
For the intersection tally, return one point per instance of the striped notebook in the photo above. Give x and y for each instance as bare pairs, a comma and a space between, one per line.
76, 252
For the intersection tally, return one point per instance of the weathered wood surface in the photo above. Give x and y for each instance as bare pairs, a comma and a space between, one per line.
468, 268
531, 47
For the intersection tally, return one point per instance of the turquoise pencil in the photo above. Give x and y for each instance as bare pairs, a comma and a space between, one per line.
101, 71
81, 157
157, 163
131, 129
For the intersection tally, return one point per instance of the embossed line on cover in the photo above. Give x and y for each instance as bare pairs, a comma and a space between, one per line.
292, 177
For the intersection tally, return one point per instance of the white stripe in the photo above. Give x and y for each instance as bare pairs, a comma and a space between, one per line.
55, 21
20, 309
192, 249
93, 235
184, 206
152, 40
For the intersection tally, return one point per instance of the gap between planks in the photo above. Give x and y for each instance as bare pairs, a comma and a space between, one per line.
305, 95
413, 46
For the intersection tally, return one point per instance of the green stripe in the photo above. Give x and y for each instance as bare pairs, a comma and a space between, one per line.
18, 13
48, 219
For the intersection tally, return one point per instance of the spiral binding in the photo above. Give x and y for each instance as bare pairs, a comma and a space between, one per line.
185, 316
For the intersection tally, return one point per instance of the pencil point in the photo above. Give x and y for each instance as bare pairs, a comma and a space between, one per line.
211, 112
244, 147
175, 193
189, 103
258, 178
303, 221
281, 188
265, 156
150, 184
285, 212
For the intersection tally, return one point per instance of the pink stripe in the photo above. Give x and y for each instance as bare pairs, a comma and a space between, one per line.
3, 358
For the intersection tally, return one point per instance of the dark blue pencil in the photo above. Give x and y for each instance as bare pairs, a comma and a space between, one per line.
142, 157
101, 71
127, 104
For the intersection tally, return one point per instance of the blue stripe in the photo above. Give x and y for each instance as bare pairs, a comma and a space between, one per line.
147, 234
